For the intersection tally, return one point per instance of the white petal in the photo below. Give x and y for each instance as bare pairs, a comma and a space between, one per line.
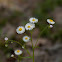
20, 32
48, 20
17, 52
26, 40
36, 20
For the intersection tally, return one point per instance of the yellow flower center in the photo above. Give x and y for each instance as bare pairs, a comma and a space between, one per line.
26, 38
51, 20
33, 20
29, 26
18, 51
20, 29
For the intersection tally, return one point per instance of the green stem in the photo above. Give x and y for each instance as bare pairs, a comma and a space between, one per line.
21, 45
32, 47
33, 55
19, 58
40, 35
28, 52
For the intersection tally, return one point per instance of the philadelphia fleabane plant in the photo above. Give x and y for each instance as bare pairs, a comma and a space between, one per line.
20, 30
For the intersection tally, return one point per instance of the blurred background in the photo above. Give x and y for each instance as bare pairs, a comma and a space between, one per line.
14, 13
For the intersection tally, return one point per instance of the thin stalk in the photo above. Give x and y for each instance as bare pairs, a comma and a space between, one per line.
33, 55
40, 35
18, 58
21, 45
32, 47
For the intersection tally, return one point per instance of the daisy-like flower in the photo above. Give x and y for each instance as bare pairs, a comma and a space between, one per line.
12, 55
33, 20
20, 30
26, 39
29, 26
6, 38
51, 26
18, 52
50, 21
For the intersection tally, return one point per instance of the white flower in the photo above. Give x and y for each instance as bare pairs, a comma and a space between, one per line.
18, 52
50, 21
6, 45
12, 55
20, 30
26, 39
6, 38
33, 20
29, 26
51, 26
32, 25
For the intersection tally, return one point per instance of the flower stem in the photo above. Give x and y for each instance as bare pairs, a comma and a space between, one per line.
33, 55
40, 35
32, 47
19, 58
21, 45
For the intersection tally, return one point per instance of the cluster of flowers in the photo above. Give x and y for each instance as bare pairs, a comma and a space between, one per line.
28, 26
